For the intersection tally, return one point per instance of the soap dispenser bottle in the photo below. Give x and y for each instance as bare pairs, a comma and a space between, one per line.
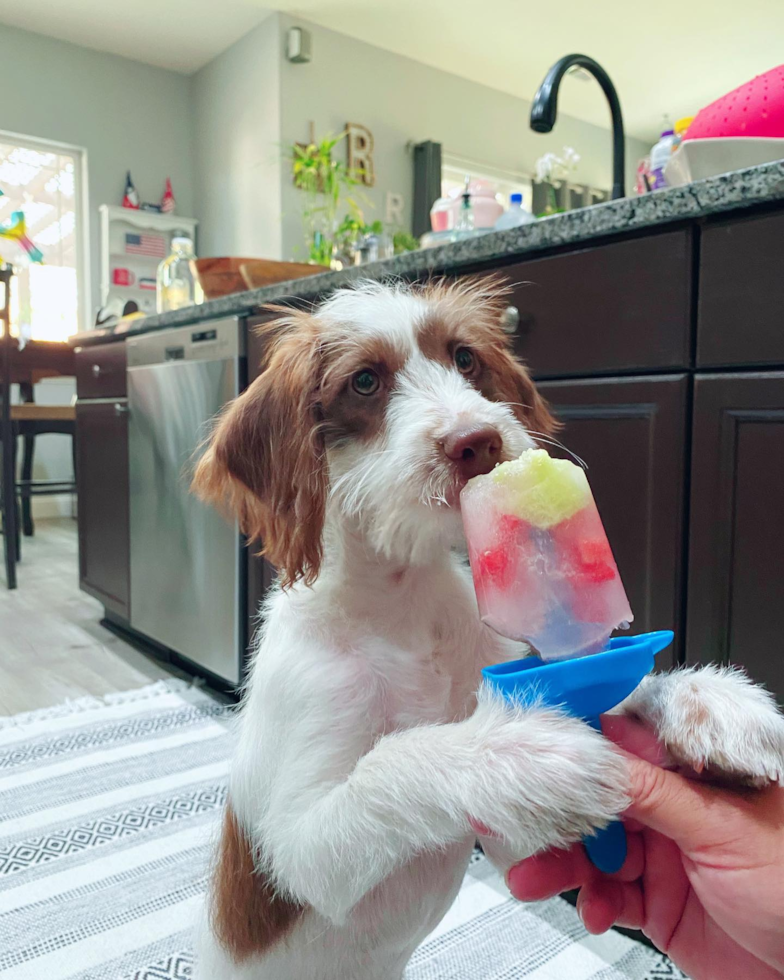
465, 219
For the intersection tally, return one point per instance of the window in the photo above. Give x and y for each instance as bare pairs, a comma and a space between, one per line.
454, 170
44, 182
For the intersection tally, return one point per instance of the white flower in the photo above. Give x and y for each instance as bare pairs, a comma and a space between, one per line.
571, 157
553, 168
544, 166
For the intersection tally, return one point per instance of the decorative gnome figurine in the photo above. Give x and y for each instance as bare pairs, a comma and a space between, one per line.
167, 201
131, 198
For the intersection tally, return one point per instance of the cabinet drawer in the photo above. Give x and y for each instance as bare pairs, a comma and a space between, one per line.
615, 308
740, 319
100, 371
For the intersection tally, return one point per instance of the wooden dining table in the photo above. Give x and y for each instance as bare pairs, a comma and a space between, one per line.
24, 364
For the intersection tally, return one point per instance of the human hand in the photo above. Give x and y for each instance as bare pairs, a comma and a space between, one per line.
704, 875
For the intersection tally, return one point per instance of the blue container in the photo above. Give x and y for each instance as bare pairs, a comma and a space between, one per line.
585, 688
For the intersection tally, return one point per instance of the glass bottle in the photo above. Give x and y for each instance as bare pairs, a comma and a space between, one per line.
178, 280
465, 219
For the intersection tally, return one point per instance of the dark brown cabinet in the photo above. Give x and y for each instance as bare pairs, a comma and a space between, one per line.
736, 583
102, 484
741, 293
631, 432
613, 309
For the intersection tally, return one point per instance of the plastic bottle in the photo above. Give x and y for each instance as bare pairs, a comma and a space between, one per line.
679, 129
515, 216
178, 280
660, 154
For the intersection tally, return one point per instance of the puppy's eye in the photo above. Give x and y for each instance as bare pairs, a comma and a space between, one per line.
464, 360
365, 382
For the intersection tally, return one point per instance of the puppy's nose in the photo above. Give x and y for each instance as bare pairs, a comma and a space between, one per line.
474, 449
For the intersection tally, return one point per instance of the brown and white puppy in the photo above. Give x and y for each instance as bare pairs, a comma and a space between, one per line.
365, 759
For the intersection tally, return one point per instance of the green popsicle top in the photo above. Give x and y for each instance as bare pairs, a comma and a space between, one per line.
539, 489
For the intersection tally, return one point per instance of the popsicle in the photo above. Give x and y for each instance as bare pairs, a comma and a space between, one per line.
544, 572
542, 566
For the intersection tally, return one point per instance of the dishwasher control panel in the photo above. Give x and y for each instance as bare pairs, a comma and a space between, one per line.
211, 340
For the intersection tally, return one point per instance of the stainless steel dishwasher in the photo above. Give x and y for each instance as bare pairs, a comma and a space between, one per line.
187, 586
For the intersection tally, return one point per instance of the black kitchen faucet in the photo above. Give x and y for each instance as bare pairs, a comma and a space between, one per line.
545, 108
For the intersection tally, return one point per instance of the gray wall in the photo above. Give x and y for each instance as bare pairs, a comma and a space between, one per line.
125, 114
400, 100
237, 155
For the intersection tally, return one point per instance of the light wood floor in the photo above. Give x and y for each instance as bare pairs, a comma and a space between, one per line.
52, 646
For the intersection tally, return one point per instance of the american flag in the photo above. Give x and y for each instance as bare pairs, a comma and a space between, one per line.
153, 245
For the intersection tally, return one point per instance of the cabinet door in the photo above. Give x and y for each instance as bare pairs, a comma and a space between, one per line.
741, 293
611, 309
100, 371
102, 484
631, 432
736, 571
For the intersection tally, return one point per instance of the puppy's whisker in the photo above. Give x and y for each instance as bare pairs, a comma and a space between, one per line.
551, 441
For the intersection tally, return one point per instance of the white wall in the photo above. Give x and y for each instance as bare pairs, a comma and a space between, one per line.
125, 114
237, 154
400, 100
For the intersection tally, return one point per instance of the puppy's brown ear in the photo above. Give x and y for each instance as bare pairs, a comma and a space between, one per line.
523, 395
481, 302
264, 462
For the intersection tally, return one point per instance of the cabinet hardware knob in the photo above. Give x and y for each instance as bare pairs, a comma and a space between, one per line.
96, 370
120, 409
510, 319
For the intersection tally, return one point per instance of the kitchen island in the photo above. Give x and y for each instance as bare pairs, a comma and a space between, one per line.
654, 327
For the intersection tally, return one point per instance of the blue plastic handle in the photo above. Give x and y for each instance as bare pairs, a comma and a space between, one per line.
585, 688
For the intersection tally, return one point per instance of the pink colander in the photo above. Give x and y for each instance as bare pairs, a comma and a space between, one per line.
755, 109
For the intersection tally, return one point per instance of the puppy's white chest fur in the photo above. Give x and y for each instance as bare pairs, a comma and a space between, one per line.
423, 645
419, 688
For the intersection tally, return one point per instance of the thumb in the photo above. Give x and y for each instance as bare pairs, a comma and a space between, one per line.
694, 815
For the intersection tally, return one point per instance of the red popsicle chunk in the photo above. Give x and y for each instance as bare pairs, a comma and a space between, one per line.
495, 565
595, 560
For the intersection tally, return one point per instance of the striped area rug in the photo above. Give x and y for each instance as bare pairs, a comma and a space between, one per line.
107, 813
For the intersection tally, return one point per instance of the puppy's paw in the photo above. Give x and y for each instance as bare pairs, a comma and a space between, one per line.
715, 719
550, 780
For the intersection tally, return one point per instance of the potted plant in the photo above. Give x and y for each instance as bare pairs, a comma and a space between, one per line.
325, 182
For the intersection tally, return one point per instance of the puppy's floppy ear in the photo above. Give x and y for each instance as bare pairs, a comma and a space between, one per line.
480, 302
517, 388
514, 382
265, 459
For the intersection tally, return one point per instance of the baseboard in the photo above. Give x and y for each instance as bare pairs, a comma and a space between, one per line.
56, 505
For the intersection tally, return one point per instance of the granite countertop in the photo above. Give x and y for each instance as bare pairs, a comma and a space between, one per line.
726, 192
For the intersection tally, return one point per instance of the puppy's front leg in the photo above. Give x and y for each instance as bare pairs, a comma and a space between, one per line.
713, 718
535, 777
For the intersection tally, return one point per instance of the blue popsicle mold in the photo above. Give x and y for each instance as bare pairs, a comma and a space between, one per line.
585, 688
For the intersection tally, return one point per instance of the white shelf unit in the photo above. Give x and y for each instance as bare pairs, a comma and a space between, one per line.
131, 275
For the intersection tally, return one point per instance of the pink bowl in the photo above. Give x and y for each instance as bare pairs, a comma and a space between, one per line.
754, 109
